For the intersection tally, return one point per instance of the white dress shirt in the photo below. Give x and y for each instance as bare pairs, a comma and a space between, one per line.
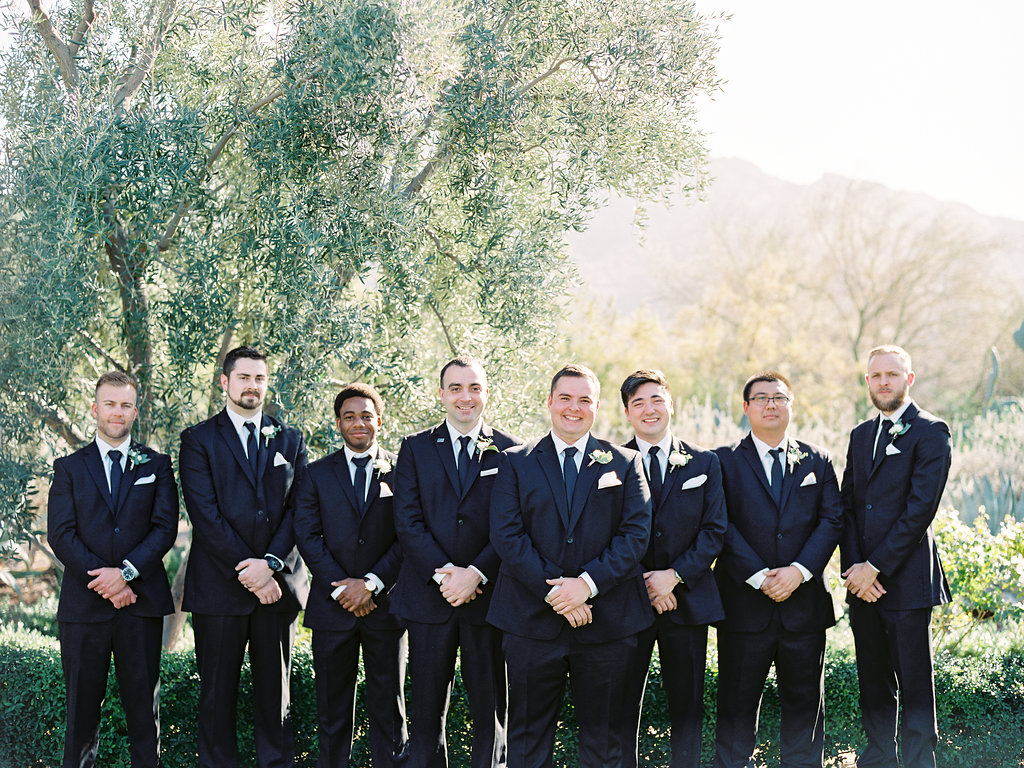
581, 448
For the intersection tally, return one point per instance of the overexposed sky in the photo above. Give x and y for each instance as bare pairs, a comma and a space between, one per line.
919, 95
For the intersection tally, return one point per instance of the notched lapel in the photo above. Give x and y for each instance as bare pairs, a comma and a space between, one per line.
547, 457
343, 478
750, 454
131, 474
445, 454
590, 471
94, 465
227, 433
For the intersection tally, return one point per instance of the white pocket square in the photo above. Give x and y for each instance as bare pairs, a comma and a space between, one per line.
146, 480
279, 459
891, 450
608, 480
809, 480
694, 482
486, 472
385, 491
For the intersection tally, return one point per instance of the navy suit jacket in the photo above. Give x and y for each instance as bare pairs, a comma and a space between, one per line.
437, 524
337, 542
237, 516
687, 533
760, 535
538, 537
87, 529
889, 506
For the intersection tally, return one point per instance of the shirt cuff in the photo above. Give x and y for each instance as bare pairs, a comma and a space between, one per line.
483, 579
590, 583
439, 577
377, 583
757, 579
876, 570
803, 571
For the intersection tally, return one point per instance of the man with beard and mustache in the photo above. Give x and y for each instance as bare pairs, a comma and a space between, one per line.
896, 469
244, 582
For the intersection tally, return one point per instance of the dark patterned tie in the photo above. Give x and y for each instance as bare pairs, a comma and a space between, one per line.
464, 463
883, 435
251, 446
569, 472
116, 473
360, 481
654, 471
777, 475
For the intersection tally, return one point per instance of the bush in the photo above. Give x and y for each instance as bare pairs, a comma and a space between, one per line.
980, 708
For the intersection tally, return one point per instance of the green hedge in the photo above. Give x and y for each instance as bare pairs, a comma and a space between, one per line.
980, 701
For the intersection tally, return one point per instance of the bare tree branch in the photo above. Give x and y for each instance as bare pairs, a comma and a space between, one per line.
60, 50
137, 73
99, 350
84, 25
444, 327
57, 422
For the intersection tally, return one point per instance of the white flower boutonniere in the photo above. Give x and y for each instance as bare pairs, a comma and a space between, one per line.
794, 456
269, 432
485, 444
678, 459
600, 457
898, 428
382, 465
136, 458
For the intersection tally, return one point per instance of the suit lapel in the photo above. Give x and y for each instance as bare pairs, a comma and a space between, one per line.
373, 492
477, 461
264, 447
670, 476
229, 436
341, 474
94, 464
750, 454
884, 440
547, 457
589, 472
131, 474
445, 454
789, 472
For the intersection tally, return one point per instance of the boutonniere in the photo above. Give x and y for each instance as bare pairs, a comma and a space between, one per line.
485, 444
794, 455
269, 432
136, 458
898, 428
600, 457
678, 459
382, 465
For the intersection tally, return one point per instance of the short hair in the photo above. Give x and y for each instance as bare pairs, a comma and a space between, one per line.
358, 389
638, 378
767, 376
892, 349
576, 371
118, 379
460, 361
244, 351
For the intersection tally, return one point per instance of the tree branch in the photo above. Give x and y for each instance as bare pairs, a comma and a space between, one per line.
444, 327
84, 25
99, 350
135, 75
57, 422
60, 50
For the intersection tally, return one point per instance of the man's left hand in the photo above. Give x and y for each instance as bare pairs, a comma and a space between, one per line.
459, 585
257, 573
571, 594
108, 582
780, 583
355, 598
660, 583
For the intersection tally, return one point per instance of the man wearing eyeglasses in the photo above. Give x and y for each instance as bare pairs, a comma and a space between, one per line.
785, 517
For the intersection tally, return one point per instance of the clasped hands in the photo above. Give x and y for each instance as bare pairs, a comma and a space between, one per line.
458, 585
862, 581
355, 597
570, 600
109, 585
660, 586
256, 576
780, 583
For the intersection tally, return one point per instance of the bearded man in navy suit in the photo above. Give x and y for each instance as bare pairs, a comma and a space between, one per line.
686, 536
244, 582
896, 469
570, 519
112, 514
345, 531
443, 482
785, 517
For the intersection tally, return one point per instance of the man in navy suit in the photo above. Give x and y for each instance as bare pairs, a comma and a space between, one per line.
345, 531
112, 514
785, 518
570, 519
686, 536
244, 582
896, 469
443, 482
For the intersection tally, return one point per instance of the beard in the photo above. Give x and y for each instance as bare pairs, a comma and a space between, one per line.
248, 400
887, 403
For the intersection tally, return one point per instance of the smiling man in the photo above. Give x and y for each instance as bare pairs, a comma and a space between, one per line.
784, 514
896, 469
570, 519
443, 482
686, 536
245, 582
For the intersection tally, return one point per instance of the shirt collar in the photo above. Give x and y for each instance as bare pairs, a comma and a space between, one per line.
763, 447
350, 454
473, 434
580, 445
898, 413
238, 420
106, 447
664, 445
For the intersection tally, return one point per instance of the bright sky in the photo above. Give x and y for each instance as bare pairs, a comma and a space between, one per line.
919, 95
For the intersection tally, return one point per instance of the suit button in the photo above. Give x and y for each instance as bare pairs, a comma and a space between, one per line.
117, 530
779, 536
569, 540
869, 506
461, 521
259, 513
362, 541
657, 534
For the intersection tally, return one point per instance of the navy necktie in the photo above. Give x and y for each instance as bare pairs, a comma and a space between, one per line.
883, 435
251, 446
654, 471
360, 481
116, 473
569, 472
464, 463
776, 475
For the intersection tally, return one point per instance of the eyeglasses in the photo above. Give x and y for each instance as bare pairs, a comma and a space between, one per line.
762, 400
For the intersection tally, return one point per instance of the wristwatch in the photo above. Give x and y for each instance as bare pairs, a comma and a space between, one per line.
276, 563
128, 571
